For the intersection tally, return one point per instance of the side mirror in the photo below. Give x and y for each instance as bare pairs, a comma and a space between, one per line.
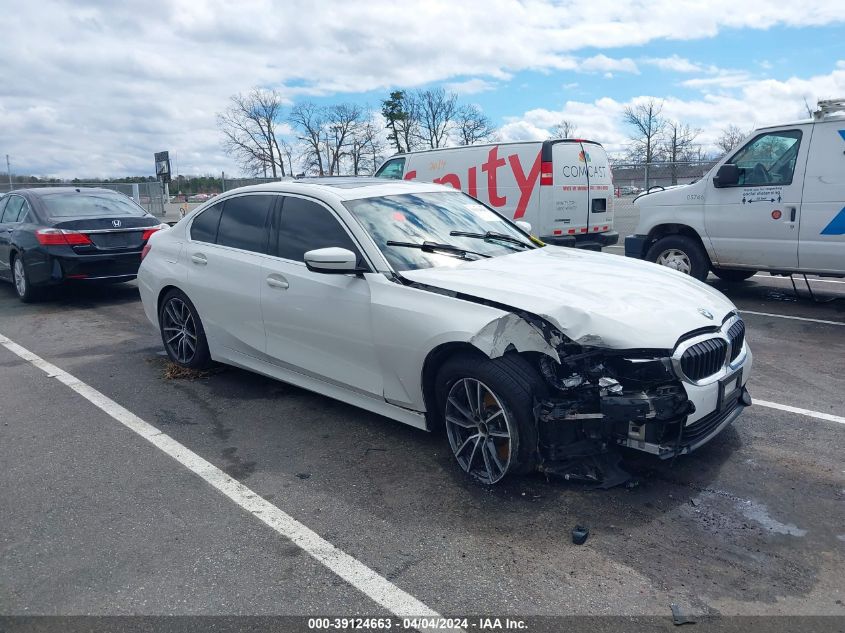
727, 175
525, 226
332, 260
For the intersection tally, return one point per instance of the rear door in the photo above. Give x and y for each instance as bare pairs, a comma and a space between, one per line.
821, 241
228, 243
11, 207
601, 188
571, 198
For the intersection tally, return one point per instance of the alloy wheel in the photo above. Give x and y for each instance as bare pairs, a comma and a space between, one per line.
180, 330
675, 259
479, 430
20, 277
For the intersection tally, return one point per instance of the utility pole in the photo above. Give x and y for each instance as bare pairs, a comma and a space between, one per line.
9, 171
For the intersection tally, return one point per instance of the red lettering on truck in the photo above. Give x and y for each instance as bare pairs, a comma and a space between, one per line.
525, 183
411, 175
449, 179
492, 164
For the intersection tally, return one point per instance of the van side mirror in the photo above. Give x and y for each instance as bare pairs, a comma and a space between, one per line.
332, 260
727, 176
525, 226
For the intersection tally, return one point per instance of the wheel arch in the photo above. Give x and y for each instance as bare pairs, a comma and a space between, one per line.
676, 228
432, 363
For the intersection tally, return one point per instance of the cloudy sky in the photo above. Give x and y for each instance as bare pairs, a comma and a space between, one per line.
94, 88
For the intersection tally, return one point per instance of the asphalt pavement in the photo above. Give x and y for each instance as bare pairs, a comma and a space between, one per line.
98, 520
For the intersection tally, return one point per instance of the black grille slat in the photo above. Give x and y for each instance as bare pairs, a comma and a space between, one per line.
736, 334
704, 359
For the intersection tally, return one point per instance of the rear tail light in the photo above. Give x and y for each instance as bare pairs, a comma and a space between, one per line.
546, 173
148, 232
61, 237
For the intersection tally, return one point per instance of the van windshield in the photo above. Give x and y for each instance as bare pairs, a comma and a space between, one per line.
408, 229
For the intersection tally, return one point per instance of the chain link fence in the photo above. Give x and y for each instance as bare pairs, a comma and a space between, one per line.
634, 178
149, 195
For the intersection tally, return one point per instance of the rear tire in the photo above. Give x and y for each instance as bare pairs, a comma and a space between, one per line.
488, 409
680, 253
182, 332
733, 275
20, 279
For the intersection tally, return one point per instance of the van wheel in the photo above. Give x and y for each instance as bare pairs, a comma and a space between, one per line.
487, 405
733, 274
680, 253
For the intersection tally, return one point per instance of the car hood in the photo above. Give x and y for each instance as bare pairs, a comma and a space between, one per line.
593, 298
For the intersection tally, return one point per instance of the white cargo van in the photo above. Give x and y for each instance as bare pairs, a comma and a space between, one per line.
776, 204
562, 188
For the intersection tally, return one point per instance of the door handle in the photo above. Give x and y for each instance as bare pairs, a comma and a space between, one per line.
277, 281
199, 258
792, 212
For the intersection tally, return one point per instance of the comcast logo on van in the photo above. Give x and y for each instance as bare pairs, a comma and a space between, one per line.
583, 157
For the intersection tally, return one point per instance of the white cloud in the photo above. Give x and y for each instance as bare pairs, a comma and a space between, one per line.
599, 63
470, 86
674, 63
752, 104
94, 87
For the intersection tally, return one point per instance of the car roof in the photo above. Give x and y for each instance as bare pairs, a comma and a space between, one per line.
345, 187
45, 191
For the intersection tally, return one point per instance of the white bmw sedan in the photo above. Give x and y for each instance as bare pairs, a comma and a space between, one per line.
417, 302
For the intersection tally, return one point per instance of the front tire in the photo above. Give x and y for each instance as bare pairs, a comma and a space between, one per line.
487, 406
182, 332
733, 275
680, 253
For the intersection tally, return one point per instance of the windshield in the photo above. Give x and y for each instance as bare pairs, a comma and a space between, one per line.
417, 218
90, 205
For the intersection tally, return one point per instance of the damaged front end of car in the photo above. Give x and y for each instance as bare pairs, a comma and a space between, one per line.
599, 400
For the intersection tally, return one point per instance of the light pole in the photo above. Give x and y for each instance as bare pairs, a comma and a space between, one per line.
9, 172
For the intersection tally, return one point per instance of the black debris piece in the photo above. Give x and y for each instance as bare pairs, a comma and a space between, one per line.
678, 617
580, 534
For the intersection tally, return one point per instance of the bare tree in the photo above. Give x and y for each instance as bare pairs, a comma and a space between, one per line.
564, 129
249, 127
287, 152
365, 146
730, 138
309, 120
342, 119
437, 110
678, 145
472, 125
648, 127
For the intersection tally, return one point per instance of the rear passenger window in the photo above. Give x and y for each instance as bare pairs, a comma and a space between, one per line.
243, 224
306, 226
204, 226
12, 210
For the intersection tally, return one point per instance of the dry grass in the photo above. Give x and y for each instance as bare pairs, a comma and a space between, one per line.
172, 371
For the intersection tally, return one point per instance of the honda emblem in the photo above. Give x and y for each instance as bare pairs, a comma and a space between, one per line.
115, 223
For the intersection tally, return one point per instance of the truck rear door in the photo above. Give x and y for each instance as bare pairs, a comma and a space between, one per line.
600, 207
570, 201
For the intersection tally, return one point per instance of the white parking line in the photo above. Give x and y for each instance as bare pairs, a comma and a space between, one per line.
799, 411
794, 318
356, 573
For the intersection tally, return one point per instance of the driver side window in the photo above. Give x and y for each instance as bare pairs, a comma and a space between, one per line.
769, 159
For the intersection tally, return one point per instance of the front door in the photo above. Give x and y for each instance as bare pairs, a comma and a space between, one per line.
754, 223
317, 324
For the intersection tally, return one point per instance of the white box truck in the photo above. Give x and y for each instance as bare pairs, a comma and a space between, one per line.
777, 204
562, 188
